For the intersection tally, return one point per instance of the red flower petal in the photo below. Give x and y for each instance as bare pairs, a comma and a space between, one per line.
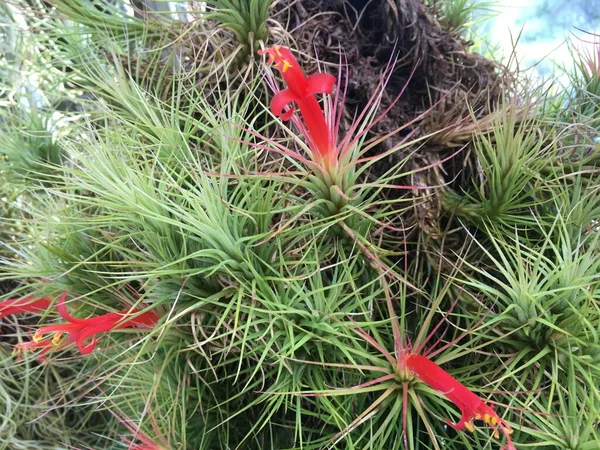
108, 323
471, 406
302, 91
23, 305
320, 83
62, 310
80, 330
280, 101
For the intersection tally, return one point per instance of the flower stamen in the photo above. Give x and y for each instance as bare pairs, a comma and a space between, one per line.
471, 406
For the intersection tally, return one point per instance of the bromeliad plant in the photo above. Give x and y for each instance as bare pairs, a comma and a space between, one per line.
586, 78
405, 370
246, 19
280, 339
336, 162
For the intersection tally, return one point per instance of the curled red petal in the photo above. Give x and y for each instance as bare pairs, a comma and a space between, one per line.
320, 83
280, 101
464, 418
86, 349
62, 309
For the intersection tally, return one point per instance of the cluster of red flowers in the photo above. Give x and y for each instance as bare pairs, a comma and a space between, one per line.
78, 331
320, 132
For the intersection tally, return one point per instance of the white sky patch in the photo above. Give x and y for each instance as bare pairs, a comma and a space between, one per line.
545, 26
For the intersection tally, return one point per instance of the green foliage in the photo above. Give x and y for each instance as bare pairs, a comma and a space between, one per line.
285, 299
106, 17
580, 95
30, 148
246, 19
37, 406
462, 15
511, 158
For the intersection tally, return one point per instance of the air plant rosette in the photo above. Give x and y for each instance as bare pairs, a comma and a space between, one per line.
336, 163
585, 76
398, 376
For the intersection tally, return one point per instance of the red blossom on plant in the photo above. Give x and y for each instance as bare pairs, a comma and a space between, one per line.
302, 91
23, 305
80, 330
407, 362
471, 406
330, 152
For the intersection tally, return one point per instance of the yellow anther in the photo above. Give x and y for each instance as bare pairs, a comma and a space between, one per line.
37, 337
56, 339
487, 418
286, 65
494, 420
496, 434
477, 416
469, 426
276, 50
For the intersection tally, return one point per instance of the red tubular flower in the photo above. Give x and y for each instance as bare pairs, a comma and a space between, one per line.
471, 406
23, 305
302, 91
80, 330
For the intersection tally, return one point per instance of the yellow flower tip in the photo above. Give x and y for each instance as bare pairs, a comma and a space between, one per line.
477, 416
56, 339
37, 337
469, 426
496, 434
